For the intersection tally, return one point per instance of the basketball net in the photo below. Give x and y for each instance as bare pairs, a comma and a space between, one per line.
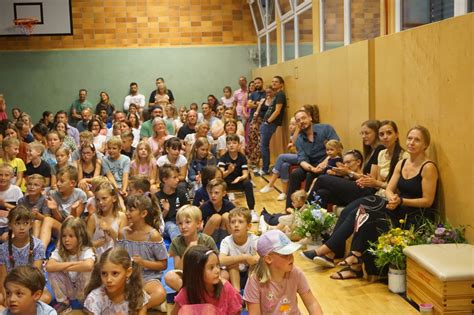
26, 25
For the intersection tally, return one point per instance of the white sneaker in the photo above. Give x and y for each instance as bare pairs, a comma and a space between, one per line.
281, 197
254, 215
262, 225
266, 189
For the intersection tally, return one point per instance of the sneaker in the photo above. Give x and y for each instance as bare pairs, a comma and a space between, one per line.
256, 171
254, 215
324, 261
281, 197
62, 308
262, 225
266, 189
308, 254
231, 196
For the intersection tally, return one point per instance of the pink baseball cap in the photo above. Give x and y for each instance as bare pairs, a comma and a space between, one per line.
276, 241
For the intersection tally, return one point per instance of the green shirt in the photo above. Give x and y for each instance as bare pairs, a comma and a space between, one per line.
178, 246
78, 106
146, 129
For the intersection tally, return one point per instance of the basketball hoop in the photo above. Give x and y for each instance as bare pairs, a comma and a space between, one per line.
26, 25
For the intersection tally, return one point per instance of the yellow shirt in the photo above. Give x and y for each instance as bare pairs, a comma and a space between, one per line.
18, 167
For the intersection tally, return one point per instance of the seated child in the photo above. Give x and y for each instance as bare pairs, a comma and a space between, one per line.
189, 220
70, 264
145, 244
200, 157
140, 185
207, 174
88, 167
64, 202
105, 223
55, 140
203, 285
115, 266
9, 196
170, 198
10, 151
35, 201
285, 221
37, 165
238, 250
24, 286
22, 248
334, 156
235, 171
127, 148
85, 139
273, 284
215, 211
173, 156
116, 166
143, 162
62, 160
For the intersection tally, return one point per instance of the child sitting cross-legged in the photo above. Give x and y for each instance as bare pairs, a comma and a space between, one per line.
208, 173
116, 166
35, 201
9, 196
238, 250
105, 223
116, 286
70, 264
64, 202
145, 244
235, 171
189, 220
215, 212
202, 285
24, 286
37, 165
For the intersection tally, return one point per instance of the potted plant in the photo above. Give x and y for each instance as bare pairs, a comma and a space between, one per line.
313, 221
388, 250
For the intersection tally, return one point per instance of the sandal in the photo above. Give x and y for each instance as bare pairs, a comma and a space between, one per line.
354, 274
345, 263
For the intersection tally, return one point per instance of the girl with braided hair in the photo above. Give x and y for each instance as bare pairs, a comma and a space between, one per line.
21, 248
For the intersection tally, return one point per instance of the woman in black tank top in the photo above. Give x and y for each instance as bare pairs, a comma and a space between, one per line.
410, 195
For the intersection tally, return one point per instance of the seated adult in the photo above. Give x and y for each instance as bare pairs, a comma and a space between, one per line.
387, 161
78, 105
96, 126
410, 198
86, 116
208, 115
202, 130
217, 129
343, 188
200, 116
311, 150
135, 125
160, 135
190, 126
134, 98
146, 130
104, 103
61, 116
67, 141
159, 82
230, 128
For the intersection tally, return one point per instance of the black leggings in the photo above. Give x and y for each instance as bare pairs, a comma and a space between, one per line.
247, 187
338, 190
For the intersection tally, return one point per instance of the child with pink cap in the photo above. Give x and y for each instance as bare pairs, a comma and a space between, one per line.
273, 284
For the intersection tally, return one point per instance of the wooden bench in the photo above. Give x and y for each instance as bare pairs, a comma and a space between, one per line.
442, 275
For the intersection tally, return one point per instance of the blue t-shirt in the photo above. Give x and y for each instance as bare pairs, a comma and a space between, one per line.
117, 167
256, 97
314, 152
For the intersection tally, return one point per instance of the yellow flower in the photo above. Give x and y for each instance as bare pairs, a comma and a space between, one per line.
401, 221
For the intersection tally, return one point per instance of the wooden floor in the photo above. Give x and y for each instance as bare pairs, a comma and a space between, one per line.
337, 297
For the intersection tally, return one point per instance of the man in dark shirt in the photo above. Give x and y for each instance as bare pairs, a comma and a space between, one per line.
257, 96
311, 150
190, 126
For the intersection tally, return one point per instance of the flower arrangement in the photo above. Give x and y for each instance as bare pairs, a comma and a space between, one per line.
313, 221
442, 233
388, 249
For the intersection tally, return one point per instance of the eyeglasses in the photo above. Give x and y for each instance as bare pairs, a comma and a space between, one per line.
348, 162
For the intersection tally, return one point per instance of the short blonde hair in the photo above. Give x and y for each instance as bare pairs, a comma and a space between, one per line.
37, 146
189, 212
299, 195
336, 145
115, 142
36, 176
9, 141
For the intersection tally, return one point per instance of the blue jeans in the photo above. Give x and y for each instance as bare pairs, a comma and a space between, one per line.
171, 229
282, 165
266, 132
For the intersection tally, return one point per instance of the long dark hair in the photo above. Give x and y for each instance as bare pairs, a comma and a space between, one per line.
149, 203
397, 150
194, 262
373, 125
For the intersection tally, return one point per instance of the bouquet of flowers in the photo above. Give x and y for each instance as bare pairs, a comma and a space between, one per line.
442, 233
313, 221
388, 249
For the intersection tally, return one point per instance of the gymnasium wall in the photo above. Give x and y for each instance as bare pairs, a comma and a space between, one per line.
198, 46
420, 76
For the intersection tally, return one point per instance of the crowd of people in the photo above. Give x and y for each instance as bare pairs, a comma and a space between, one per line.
89, 196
